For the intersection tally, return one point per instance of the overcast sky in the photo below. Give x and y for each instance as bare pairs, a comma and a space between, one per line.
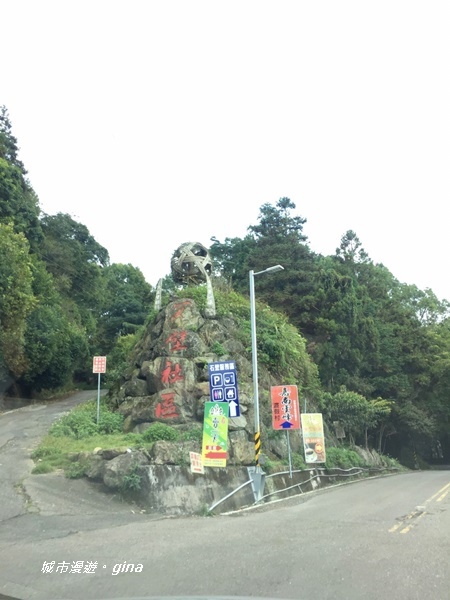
156, 123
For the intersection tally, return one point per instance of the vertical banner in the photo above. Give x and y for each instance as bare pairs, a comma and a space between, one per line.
313, 437
285, 410
215, 434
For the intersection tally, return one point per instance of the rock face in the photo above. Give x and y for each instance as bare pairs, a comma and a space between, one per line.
169, 380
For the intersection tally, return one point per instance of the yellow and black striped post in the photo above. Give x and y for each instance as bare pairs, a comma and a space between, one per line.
257, 447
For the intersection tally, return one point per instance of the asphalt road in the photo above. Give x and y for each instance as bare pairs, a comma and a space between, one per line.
372, 539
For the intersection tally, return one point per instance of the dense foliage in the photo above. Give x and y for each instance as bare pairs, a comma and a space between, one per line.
381, 346
374, 352
61, 301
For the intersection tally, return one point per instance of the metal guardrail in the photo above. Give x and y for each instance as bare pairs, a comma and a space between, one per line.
243, 485
353, 471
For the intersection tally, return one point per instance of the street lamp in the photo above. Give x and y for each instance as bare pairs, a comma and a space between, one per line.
255, 355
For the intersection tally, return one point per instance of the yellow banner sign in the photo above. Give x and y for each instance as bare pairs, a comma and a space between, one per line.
313, 438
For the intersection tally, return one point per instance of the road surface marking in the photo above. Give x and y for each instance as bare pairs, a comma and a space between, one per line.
419, 512
403, 520
409, 527
438, 492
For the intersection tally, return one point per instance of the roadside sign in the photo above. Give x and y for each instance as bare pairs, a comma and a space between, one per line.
196, 462
99, 364
215, 435
285, 409
223, 386
313, 438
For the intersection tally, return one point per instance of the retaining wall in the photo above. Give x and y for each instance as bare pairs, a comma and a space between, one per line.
173, 489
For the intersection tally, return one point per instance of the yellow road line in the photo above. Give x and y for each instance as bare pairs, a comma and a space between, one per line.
406, 529
409, 527
442, 493
403, 521
437, 493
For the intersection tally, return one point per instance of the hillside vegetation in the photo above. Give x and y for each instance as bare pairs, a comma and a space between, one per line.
367, 350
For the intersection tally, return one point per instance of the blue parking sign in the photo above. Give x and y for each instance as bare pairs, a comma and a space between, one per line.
223, 385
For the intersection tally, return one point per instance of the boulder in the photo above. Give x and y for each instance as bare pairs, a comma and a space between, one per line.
182, 314
148, 373
180, 342
96, 467
141, 427
135, 387
278, 444
241, 450
143, 409
126, 406
110, 453
237, 423
172, 453
118, 468
173, 372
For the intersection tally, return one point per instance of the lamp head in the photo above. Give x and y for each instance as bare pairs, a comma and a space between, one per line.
273, 269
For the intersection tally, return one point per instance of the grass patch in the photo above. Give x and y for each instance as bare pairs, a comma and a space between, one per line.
78, 432
51, 445
43, 467
81, 422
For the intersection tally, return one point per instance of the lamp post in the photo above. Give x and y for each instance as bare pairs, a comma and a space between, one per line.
252, 275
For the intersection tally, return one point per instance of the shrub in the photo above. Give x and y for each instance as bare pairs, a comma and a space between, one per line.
82, 422
298, 462
218, 349
343, 458
132, 481
110, 422
390, 462
77, 424
75, 470
160, 431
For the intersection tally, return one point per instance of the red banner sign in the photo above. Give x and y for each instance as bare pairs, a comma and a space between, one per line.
285, 410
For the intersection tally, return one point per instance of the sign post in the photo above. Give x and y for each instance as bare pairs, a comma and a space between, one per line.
285, 412
99, 366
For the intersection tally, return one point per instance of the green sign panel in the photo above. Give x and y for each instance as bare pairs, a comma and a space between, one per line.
215, 434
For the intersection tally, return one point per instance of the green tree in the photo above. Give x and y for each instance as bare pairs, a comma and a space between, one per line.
16, 297
355, 413
75, 259
8, 143
277, 237
55, 348
230, 259
127, 300
18, 202
351, 250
